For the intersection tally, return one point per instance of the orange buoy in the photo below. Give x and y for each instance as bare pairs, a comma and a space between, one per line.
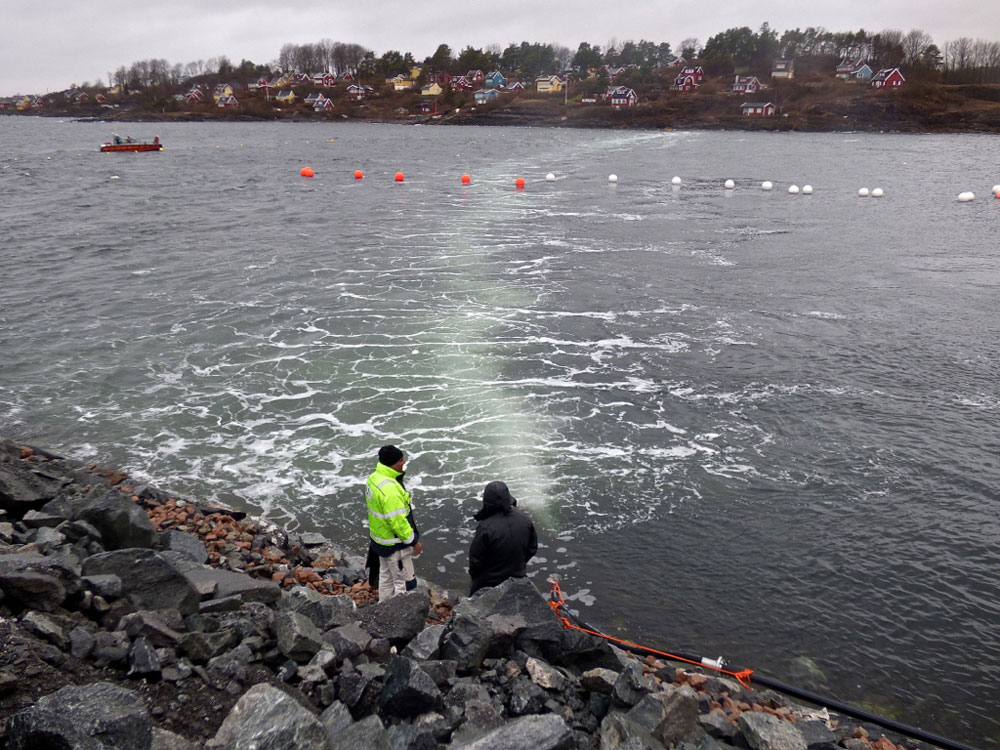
399, 177
358, 174
306, 172
519, 182
466, 179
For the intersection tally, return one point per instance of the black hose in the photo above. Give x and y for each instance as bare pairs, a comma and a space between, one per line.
797, 692
859, 713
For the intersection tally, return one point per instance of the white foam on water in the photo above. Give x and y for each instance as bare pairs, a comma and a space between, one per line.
330, 421
661, 425
984, 403
641, 385
679, 451
172, 446
583, 596
731, 470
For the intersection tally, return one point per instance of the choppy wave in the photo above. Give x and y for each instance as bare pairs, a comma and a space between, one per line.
766, 417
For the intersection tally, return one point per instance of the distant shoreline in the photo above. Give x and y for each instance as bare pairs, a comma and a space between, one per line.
931, 109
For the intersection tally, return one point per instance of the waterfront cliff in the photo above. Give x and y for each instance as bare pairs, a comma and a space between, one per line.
130, 618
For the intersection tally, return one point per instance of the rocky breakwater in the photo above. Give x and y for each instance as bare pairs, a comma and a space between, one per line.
131, 619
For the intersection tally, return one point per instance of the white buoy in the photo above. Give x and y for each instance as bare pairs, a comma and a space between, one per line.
730, 184
675, 181
550, 177
966, 196
793, 189
863, 192
807, 190
878, 193
766, 185
612, 178
996, 190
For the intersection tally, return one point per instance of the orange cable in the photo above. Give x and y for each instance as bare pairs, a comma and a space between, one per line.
743, 676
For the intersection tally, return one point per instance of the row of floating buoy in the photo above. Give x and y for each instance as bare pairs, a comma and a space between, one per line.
676, 181
968, 195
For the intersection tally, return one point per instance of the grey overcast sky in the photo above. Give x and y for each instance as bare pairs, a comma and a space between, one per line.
47, 45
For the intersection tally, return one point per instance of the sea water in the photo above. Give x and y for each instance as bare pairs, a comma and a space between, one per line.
746, 423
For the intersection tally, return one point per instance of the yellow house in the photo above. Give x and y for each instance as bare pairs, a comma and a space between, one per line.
24, 104
432, 89
400, 82
285, 97
223, 89
548, 84
415, 72
116, 89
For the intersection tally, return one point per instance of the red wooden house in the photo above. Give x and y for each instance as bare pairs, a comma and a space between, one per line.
888, 78
622, 97
694, 71
357, 93
757, 109
745, 85
684, 83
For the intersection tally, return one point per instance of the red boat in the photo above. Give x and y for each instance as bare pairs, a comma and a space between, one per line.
127, 144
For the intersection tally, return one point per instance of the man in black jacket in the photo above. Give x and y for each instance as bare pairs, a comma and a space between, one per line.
504, 542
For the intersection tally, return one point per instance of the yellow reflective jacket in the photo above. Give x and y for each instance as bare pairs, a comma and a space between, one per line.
390, 519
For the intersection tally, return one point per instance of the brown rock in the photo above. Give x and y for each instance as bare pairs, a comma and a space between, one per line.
697, 681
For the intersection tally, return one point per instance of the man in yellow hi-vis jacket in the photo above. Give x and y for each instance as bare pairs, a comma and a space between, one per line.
395, 538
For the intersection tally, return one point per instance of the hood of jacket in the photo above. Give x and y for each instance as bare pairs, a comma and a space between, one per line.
496, 499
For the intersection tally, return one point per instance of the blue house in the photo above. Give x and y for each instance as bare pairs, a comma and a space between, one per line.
485, 96
494, 80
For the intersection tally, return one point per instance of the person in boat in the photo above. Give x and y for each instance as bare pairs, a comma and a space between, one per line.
156, 141
394, 538
505, 540
117, 139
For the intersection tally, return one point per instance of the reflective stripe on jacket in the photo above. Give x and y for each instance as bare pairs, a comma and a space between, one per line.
389, 507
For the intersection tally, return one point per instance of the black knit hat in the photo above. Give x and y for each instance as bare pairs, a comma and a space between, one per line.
389, 455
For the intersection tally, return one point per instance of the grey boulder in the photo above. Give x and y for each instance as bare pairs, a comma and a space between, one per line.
121, 522
266, 718
397, 619
766, 732
148, 580
547, 732
408, 690
99, 716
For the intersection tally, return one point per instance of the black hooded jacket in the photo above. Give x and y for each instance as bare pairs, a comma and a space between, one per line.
504, 542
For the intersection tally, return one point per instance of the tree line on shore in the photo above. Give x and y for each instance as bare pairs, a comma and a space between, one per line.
739, 49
